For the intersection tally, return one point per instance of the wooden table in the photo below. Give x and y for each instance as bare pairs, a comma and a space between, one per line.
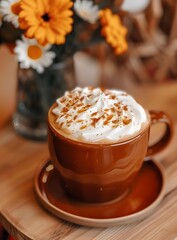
22, 215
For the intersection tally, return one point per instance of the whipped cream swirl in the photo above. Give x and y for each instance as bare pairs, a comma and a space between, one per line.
98, 115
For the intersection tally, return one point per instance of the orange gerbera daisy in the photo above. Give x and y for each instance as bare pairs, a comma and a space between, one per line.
113, 31
48, 21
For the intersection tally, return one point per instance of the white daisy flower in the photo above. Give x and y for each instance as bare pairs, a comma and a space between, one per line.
9, 9
86, 10
134, 6
31, 54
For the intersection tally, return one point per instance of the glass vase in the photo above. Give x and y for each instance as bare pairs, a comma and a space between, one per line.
36, 93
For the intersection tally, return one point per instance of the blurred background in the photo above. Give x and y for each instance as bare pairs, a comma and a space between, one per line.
151, 57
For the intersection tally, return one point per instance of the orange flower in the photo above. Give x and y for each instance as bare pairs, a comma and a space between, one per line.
113, 31
48, 21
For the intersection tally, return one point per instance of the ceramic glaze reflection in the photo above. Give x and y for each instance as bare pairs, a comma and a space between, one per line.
136, 205
95, 171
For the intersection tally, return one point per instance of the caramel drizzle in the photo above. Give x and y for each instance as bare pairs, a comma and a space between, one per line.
77, 102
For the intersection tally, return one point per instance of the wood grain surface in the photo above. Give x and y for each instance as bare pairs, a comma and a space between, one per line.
23, 216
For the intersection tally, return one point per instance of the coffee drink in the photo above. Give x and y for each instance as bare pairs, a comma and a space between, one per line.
95, 115
98, 139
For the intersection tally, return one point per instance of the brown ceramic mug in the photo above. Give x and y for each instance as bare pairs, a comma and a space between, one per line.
102, 172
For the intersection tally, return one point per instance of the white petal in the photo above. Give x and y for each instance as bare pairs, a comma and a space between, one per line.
134, 6
86, 10
21, 51
6, 12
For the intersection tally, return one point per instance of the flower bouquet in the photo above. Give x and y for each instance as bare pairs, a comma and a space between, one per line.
44, 35
48, 31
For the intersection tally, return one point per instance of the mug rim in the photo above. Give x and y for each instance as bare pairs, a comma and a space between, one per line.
95, 144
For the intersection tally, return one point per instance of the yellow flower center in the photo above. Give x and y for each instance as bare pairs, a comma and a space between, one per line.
15, 8
34, 52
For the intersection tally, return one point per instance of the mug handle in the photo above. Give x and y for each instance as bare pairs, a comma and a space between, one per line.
160, 117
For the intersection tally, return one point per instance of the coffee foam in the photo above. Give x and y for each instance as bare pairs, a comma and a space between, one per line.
98, 115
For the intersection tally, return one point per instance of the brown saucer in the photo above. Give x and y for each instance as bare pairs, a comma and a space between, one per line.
145, 194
